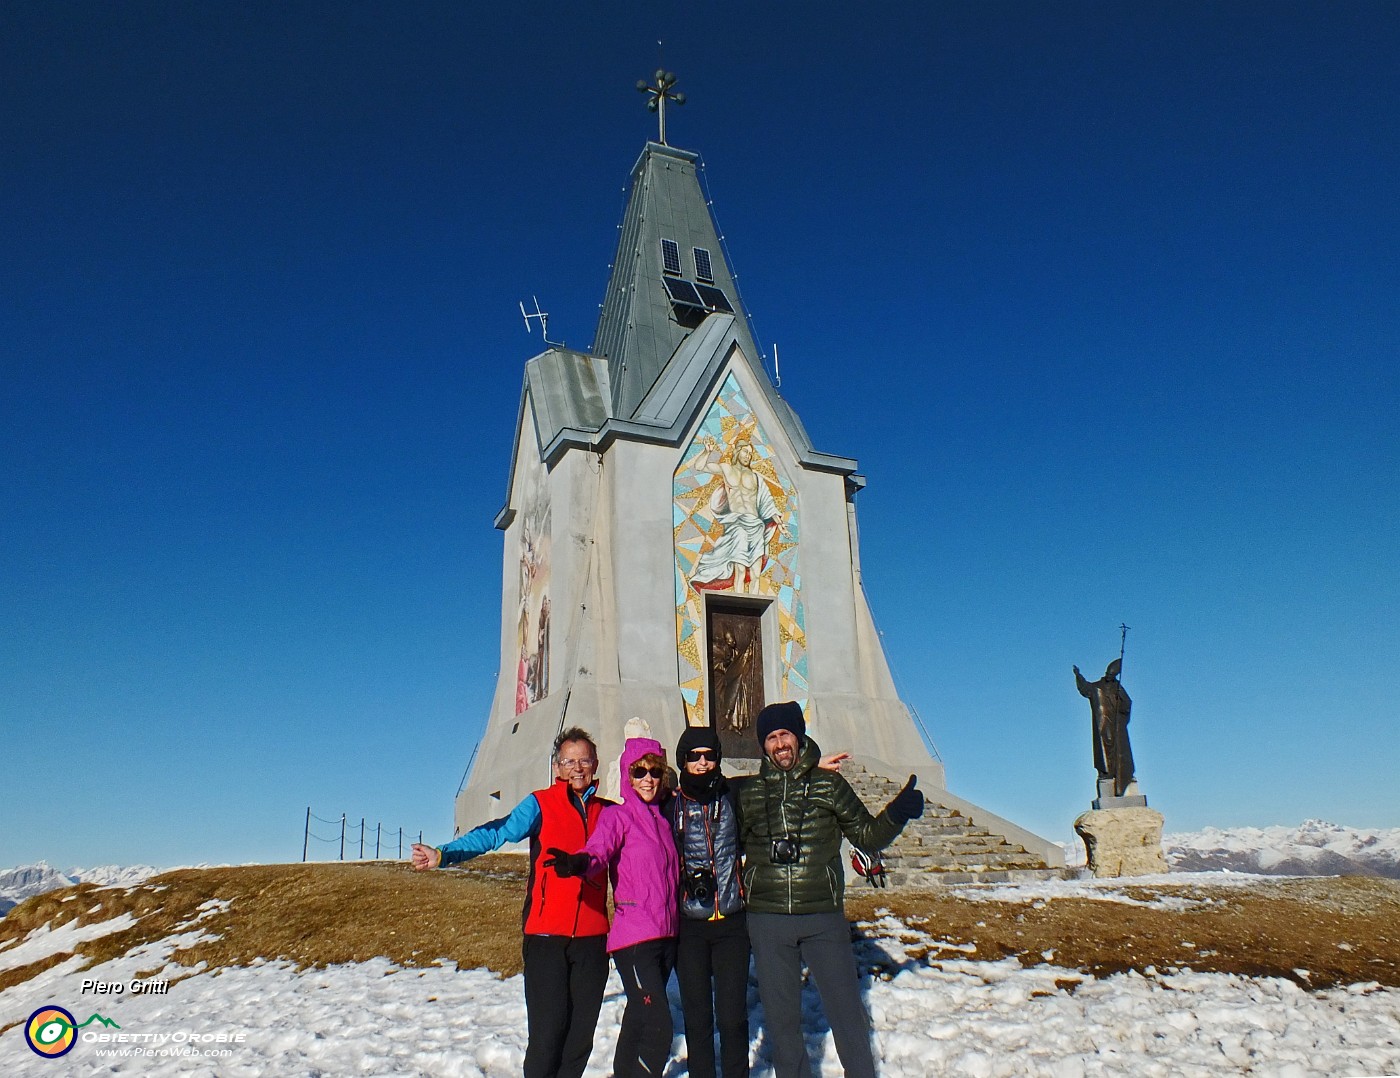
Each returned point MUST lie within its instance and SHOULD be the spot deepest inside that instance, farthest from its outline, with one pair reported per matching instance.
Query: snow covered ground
(947, 1015)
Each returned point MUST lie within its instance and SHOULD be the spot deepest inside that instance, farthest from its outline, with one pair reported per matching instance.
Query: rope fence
(383, 840)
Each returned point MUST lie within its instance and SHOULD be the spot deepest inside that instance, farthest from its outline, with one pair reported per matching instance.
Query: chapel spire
(670, 271)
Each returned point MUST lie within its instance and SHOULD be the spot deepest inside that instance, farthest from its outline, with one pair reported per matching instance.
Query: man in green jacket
(792, 819)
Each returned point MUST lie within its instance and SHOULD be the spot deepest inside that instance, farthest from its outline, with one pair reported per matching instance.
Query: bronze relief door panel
(735, 636)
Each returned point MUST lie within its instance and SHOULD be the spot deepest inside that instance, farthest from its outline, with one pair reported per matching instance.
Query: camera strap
(796, 833)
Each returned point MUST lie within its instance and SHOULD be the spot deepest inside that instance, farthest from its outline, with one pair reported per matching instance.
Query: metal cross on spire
(658, 95)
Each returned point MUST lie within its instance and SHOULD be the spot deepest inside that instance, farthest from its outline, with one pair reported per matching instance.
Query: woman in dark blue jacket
(712, 955)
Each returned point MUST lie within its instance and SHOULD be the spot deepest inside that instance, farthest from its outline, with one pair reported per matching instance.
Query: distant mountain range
(17, 884)
(1315, 848)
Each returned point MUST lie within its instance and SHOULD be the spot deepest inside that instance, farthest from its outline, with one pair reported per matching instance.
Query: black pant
(644, 1041)
(712, 969)
(564, 981)
(782, 944)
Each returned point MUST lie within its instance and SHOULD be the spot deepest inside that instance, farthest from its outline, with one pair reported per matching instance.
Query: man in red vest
(566, 961)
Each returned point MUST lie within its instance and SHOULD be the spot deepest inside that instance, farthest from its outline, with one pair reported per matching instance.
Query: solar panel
(713, 298)
(670, 256)
(683, 292)
(703, 272)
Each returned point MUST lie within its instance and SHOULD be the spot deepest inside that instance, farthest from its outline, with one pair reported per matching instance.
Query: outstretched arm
(523, 821)
(597, 853)
(710, 461)
(862, 830)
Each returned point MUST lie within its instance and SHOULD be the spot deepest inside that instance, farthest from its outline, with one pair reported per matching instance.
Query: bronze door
(735, 636)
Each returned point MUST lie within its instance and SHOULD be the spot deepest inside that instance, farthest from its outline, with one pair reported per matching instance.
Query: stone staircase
(945, 847)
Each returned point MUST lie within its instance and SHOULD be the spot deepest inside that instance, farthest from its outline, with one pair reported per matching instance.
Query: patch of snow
(45, 941)
(1035, 893)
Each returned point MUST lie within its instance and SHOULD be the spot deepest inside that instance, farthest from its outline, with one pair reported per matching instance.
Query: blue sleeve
(523, 822)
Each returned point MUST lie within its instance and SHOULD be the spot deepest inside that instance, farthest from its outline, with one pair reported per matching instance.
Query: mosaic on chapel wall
(532, 626)
(736, 528)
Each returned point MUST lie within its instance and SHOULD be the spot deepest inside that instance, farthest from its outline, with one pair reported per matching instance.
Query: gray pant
(782, 944)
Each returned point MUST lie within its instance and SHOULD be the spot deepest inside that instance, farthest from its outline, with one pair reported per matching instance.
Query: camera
(784, 850)
(700, 885)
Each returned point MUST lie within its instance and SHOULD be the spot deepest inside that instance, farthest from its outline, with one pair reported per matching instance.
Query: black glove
(908, 804)
(570, 864)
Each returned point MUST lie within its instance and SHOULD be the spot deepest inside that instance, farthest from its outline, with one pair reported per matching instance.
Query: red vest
(570, 906)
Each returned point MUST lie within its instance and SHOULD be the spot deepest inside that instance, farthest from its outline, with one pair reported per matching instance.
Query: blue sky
(1103, 296)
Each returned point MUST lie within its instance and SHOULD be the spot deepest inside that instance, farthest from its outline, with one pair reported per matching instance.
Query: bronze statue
(1110, 705)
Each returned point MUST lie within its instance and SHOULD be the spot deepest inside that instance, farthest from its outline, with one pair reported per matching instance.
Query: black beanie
(698, 737)
(784, 716)
(704, 787)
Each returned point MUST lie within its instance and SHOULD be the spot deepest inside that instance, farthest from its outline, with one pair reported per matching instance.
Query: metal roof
(568, 391)
(638, 329)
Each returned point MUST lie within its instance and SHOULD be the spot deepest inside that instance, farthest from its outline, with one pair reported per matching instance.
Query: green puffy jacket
(816, 808)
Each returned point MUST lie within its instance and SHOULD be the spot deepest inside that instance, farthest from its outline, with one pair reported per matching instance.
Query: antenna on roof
(543, 317)
(777, 378)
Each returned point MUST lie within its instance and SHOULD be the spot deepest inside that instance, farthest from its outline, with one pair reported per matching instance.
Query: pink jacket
(633, 840)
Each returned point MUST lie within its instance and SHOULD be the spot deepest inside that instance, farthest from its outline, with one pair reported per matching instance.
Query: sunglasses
(640, 772)
(696, 755)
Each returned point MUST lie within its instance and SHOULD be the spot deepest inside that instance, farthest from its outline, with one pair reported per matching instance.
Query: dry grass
(1340, 930)
(310, 915)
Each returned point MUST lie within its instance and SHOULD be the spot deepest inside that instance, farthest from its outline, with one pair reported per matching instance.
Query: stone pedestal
(1122, 841)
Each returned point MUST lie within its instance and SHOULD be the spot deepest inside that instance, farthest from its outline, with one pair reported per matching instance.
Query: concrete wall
(513, 756)
(613, 618)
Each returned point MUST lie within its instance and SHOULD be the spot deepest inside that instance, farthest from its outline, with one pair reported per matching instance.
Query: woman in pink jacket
(633, 841)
